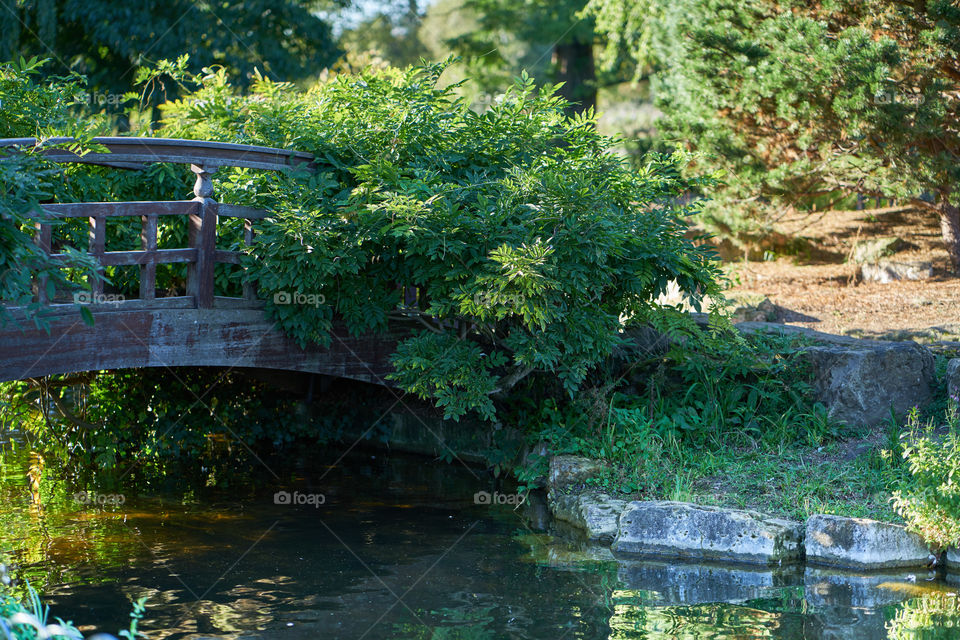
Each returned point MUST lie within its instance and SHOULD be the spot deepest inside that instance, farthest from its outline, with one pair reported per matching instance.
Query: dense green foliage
(930, 500)
(530, 244)
(656, 409)
(803, 104)
(30, 108)
(108, 41)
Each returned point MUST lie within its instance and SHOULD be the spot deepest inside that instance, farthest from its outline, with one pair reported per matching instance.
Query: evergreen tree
(805, 104)
(108, 40)
(558, 38)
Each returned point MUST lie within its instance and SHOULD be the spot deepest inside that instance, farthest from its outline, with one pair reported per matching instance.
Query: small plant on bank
(30, 620)
(929, 499)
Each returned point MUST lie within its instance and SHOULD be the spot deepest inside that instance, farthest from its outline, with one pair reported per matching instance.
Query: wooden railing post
(203, 238)
(148, 270)
(98, 246)
(44, 240)
(249, 288)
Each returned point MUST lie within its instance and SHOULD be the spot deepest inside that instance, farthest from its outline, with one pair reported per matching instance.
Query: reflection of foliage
(150, 421)
(934, 616)
(34, 516)
(634, 617)
(451, 624)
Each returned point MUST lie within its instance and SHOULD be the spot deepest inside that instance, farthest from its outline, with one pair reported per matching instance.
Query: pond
(365, 544)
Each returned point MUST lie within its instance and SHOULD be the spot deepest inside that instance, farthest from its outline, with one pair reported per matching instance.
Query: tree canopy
(804, 104)
(108, 41)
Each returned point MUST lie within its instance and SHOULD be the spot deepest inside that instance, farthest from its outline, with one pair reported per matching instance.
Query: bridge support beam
(184, 337)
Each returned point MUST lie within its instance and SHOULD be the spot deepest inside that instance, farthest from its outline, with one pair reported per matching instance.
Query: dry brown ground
(824, 292)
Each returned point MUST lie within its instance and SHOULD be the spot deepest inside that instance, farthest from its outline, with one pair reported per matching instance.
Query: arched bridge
(197, 328)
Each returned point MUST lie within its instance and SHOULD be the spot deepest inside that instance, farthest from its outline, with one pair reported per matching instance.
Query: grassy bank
(850, 477)
(782, 456)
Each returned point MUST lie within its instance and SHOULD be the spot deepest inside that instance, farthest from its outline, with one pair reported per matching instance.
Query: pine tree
(805, 103)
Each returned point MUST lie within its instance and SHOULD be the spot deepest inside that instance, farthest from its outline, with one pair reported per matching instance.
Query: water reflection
(400, 550)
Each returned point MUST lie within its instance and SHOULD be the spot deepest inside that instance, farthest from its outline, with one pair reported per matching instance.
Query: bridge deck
(183, 337)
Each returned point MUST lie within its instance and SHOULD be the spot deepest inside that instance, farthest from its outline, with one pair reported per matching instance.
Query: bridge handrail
(202, 212)
(133, 152)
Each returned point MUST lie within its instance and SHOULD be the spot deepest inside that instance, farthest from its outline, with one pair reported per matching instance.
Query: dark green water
(399, 549)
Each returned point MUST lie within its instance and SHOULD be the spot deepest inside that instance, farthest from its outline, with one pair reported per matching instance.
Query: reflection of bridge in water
(198, 328)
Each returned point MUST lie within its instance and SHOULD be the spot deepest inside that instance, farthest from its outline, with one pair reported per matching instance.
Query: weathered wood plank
(124, 152)
(58, 310)
(228, 257)
(225, 302)
(44, 240)
(160, 256)
(114, 209)
(148, 243)
(240, 211)
(98, 244)
(203, 238)
(184, 337)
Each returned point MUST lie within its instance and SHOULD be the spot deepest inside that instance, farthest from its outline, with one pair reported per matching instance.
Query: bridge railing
(202, 212)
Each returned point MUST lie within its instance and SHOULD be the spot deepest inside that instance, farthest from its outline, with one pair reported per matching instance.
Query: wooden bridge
(198, 328)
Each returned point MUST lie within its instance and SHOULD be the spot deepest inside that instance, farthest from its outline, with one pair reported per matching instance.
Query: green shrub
(929, 499)
(654, 413)
(32, 109)
(529, 243)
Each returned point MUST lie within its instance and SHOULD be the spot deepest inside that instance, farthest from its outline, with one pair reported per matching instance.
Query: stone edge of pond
(662, 529)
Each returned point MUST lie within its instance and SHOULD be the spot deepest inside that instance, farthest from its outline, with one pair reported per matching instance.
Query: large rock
(886, 271)
(871, 251)
(953, 379)
(746, 307)
(952, 558)
(683, 530)
(597, 514)
(691, 584)
(567, 470)
(858, 543)
(860, 382)
(831, 588)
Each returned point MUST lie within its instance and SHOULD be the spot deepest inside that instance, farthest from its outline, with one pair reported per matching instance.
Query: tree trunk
(950, 228)
(576, 69)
